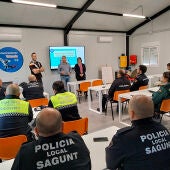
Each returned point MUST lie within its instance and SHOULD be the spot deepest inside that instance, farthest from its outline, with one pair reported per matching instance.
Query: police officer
(143, 146)
(65, 102)
(36, 67)
(33, 89)
(53, 150)
(121, 83)
(162, 93)
(2, 91)
(15, 114)
(141, 79)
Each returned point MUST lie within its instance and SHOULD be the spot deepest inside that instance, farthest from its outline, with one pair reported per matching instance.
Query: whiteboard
(107, 75)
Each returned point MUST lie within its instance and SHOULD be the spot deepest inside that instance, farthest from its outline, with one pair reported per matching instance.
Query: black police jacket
(33, 90)
(61, 151)
(121, 83)
(143, 146)
(140, 80)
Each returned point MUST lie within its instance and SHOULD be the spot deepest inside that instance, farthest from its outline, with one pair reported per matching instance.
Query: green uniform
(161, 94)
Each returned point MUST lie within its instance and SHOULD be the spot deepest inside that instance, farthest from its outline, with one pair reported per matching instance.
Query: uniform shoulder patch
(124, 130)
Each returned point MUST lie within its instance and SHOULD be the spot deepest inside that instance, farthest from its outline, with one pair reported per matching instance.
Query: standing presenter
(65, 71)
(80, 70)
(36, 67)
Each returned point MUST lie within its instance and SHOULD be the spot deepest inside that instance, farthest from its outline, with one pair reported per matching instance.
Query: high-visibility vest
(16, 106)
(63, 99)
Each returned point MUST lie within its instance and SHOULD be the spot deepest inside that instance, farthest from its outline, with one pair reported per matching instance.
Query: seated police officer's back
(65, 102)
(33, 89)
(15, 114)
(53, 150)
(143, 146)
(2, 91)
(141, 79)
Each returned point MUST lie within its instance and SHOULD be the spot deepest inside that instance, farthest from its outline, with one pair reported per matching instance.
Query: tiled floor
(97, 122)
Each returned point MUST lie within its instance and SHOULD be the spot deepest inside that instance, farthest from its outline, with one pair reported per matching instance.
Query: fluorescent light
(135, 16)
(34, 3)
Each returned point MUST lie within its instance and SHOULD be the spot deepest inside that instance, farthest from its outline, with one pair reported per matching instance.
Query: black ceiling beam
(74, 19)
(149, 19)
(78, 14)
(94, 30)
(90, 11)
(31, 26)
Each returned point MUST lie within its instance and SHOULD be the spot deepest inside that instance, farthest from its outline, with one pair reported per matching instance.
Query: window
(150, 54)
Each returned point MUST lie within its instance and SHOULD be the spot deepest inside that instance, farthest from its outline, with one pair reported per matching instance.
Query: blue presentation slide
(71, 53)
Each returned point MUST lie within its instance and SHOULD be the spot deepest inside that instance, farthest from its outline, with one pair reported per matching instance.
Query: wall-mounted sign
(11, 60)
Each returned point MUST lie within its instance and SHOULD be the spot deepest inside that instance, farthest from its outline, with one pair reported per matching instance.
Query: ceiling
(27, 15)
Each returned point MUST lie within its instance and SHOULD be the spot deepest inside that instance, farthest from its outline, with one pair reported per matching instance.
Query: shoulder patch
(124, 130)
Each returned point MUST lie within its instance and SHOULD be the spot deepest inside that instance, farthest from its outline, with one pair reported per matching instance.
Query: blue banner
(11, 60)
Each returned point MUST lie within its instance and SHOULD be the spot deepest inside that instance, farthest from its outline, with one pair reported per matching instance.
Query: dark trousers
(105, 97)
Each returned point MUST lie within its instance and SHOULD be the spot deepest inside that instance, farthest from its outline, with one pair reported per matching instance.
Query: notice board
(107, 74)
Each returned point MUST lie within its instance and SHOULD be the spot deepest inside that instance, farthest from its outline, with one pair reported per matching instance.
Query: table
(150, 77)
(74, 84)
(97, 149)
(6, 165)
(98, 89)
(129, 96)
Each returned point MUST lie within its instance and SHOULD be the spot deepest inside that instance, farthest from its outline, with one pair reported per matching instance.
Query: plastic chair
(9, 146)
(143, 87)
(38, 102)
(83, 89)
(81, 126)
(97, 82)
(165, 107)
(115, 100)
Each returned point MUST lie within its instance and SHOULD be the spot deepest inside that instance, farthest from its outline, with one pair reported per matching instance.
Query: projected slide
(71, 53)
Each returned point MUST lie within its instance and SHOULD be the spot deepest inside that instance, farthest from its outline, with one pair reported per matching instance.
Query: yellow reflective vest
(63, 99)
(16, 106)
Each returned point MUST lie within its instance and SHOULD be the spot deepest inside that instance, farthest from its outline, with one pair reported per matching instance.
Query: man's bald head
(141, 106)
(31, 78)
(13, 89)
(48, 122)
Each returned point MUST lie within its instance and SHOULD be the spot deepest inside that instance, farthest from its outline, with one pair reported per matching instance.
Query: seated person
(121, 83)
(137, 147)
(168, 66)
(141, 79)
(33, 89)
(162, 93)
(65, 102)
(53, 149)
(15, 114)
(2, 91)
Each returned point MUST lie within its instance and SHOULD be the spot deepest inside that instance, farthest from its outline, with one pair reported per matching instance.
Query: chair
(38, 102)
(83, 89)
(9, 146)
(81, 126)
(143, 87)
(165, 107)
(115, 99)
(96, 83)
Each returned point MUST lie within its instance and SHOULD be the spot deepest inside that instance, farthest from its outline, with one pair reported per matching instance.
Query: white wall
(38, 40)
(99, 54)
(156, 31)
(34, 40)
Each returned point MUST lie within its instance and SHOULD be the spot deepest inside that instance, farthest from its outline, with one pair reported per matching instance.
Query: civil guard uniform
(143, 146)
